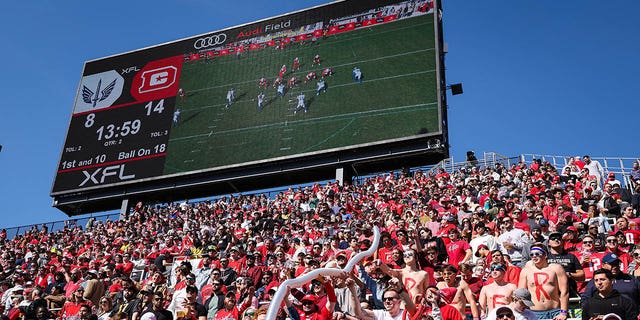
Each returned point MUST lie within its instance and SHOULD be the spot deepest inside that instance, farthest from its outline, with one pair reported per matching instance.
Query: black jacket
(614, 303)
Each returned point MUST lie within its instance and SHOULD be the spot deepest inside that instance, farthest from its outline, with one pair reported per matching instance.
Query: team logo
(210, 41)
(99, 90)
(158, 79)
(89, 96)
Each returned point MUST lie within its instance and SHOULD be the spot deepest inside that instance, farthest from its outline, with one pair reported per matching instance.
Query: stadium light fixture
(455, 88)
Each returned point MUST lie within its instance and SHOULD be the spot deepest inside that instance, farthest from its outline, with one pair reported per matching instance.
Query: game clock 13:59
(115, 145)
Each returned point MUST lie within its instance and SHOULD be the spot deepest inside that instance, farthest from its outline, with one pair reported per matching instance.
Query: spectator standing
(623, 283)
(594, 167)
(548, 282)
(513, 242)
(496, 293)
(567, 260)
(519, 305)
(414, 279)
(71, 308)
(392, 298)
(607, 300)
(94, 288)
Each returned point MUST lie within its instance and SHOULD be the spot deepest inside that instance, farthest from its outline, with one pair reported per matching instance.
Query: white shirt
(384, 315)
(518, 238)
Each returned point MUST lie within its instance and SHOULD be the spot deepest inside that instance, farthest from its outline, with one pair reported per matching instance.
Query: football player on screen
(230, 98)
(301, 104)
(176, 117)
(181, 94)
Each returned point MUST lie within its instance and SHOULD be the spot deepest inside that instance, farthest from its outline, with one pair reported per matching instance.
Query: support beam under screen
(124, 209)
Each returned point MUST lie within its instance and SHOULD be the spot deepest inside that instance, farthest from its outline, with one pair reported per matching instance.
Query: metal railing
(618, 165)
(490, 159)
(60, 224)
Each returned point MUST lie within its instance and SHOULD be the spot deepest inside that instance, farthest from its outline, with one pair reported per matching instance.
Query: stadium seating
(280, 224)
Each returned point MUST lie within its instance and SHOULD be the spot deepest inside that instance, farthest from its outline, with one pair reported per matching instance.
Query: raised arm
(357, 308)
(395, 273)
(471, 300)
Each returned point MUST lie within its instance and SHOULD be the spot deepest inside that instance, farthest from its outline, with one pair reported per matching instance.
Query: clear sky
(549, 77)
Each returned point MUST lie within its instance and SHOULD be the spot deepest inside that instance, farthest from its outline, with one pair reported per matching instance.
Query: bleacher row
(297, 229)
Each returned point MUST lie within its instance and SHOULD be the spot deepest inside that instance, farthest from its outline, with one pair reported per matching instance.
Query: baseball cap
(309, 297)
(555, 233)
(482, 246)
(504, 310)
(543, 222)
(524, 295)
(610, 258)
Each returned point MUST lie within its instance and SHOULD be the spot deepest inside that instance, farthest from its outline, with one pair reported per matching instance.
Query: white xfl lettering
(99, 176)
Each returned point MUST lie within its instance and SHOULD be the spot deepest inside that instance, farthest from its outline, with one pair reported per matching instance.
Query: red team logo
(157, 80)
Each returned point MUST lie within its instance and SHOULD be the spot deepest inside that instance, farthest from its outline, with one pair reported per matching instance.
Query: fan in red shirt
(385, 254)
(310, 308)
(458, 250)
(590, 260)
(435, 299)
(631, 236)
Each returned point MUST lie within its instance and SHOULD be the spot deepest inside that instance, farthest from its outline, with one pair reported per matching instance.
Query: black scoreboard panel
(131, 125)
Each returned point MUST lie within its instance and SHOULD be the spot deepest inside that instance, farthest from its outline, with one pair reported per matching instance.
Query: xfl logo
(158, 79)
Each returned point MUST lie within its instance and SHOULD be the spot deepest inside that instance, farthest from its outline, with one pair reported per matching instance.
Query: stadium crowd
(499, 242)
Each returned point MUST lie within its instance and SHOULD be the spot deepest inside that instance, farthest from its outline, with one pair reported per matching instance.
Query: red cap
(572, 228)
(310, 297)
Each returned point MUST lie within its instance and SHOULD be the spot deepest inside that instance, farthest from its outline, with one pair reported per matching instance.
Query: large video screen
(342, 76)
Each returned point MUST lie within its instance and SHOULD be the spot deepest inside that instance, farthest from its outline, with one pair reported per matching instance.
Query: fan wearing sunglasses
(497, 292)
(392, 298)
(548, 284)
(412, 276)
(558, 254)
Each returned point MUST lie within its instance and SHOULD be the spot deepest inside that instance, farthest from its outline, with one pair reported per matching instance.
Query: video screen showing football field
(396, 98)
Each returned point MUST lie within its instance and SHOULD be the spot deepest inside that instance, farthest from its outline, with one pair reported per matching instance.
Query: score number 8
(90, 120)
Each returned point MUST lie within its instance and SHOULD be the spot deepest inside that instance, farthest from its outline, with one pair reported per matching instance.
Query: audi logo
(210, 41)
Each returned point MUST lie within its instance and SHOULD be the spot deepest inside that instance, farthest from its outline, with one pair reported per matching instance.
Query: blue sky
(550, 77)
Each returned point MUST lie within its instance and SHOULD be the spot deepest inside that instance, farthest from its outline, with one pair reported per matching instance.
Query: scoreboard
(190, 107)
(119, 135)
